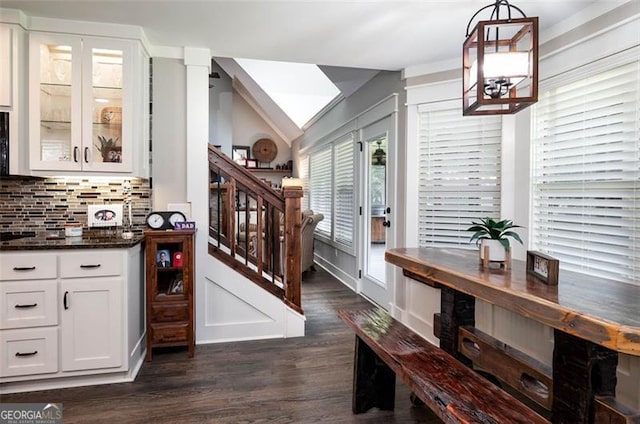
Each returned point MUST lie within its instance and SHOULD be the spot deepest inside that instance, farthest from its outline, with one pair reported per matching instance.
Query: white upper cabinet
(81, 104)
(6, 65)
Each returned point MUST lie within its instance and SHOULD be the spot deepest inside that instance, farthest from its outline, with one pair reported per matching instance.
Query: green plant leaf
(513, 234)
(505, 242)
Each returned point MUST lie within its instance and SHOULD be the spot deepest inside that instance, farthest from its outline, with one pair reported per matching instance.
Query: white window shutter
(303, 174)
(586, 173)
(459, 176)
(320, 187)
(344, 201)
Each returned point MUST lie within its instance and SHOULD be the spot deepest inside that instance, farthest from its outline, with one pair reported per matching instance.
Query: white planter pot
(497, 252)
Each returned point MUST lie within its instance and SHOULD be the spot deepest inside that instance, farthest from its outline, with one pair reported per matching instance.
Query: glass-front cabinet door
(80, 104)
(106, 112)
(55, 102)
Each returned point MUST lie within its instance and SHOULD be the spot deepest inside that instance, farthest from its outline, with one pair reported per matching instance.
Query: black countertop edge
(45, 243)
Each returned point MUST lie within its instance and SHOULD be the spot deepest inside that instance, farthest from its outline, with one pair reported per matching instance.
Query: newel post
(293, 245)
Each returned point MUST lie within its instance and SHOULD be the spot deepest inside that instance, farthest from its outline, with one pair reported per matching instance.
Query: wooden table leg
(456, 309)
(374, 383)
(581, 370)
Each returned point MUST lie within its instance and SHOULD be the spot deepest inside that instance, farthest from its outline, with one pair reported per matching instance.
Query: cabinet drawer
(28, 304)
(90, 264)
(27, 266)
(169, 333)
(169, 312)
(29, 351)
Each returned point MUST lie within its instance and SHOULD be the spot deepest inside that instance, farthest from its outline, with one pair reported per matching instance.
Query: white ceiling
(374, 34)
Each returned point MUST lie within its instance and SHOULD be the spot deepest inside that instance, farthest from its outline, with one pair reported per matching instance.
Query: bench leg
(581, 370)
(374, 383)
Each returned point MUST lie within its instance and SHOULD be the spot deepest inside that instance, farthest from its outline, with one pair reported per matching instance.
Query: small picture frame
(240, 154)
(177, 286)
(543, 267)
(163, 259)
(251, 163)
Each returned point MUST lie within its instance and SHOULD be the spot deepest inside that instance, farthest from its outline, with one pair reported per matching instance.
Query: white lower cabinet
(91, 324)
(76, 320)
(29, 351)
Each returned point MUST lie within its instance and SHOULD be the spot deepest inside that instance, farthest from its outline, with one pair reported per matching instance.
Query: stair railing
(255, 229)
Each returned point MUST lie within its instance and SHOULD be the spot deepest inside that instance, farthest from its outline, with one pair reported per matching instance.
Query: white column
(198, 63)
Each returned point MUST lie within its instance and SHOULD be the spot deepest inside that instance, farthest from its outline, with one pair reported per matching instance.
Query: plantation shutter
(586, 172)
(459, 173)
(303, 174)
(344, 192)
(320, 173)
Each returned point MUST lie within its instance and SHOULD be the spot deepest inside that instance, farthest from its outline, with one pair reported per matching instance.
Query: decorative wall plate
(264, 150)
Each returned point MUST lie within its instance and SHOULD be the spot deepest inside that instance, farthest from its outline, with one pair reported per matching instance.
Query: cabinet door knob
(75, 154)
(86, 155)
(64, 300)
(90, 266)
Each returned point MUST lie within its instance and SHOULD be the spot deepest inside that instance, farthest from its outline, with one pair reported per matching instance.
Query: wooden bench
(385, 348)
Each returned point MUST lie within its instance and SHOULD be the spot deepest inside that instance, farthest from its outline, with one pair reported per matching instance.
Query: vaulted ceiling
(373, 34)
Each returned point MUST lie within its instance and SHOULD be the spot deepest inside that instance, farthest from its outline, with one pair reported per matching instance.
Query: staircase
(255, 231)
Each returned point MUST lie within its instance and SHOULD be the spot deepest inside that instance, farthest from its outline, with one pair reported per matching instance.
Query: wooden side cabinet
(169, 284)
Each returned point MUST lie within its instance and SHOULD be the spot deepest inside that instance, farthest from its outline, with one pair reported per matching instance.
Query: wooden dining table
(594, 319)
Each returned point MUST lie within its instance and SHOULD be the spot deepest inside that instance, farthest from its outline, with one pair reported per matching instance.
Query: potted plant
(108, 149)
(495, 234)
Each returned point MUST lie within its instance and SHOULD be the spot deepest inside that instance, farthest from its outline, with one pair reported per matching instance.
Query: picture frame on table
(239, 154)
(251, 163)
(543, 268)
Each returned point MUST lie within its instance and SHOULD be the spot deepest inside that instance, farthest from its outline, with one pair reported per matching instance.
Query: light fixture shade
(500, 67)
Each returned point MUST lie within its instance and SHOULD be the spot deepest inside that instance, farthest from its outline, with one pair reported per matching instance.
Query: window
(331, 190)
(344, 192)
(459, 176)
(586, 171)
(303, 173)
(320, 187)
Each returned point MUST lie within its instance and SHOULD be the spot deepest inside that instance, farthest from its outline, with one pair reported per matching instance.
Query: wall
(221, 110)
(597, 39)
(169, 149)
(339, 120)
(249, 127)
(46, 204)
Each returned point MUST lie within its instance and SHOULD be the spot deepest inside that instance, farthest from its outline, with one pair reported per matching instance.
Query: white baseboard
(339, 274)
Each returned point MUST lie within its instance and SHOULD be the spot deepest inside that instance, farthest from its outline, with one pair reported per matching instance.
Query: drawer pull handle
(19, 306)
(24, 268)
(64, 300)
(20, 354)
(90, 266)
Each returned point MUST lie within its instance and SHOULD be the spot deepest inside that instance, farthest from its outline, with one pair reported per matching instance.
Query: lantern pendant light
(500, 62)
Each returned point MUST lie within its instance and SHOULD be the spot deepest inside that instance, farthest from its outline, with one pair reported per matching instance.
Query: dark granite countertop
(54, 241)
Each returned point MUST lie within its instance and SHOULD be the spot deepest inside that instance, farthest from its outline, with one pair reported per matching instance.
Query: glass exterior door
(378, 143)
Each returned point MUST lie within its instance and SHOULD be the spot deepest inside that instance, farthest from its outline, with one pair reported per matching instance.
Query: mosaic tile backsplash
(34, 204)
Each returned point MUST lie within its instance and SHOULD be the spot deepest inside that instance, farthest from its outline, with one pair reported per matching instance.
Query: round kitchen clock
(164, 220)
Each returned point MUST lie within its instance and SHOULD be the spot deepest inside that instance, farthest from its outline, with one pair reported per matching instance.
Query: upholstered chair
(309, 222)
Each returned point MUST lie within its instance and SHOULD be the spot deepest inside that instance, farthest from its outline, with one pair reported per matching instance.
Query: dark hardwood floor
(299, 380)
